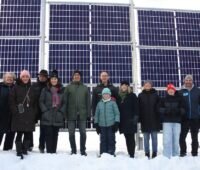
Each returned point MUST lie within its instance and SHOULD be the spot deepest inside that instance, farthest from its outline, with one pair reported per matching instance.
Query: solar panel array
(166, 39)
(19, 35)
(92, 25)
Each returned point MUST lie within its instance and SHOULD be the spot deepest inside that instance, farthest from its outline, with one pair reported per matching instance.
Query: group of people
(23, 104)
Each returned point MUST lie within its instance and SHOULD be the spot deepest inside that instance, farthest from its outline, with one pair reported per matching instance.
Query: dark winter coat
(172, 108)
(192, 101)
(38, 86)
(97, 96)
(148, 110)
(77, 101)
(52, 116)
(128, 114)
(23, 121)
(5, 114)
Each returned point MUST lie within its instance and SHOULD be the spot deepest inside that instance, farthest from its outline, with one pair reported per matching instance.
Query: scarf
(123, 95)
(55, 97)
(106, 100)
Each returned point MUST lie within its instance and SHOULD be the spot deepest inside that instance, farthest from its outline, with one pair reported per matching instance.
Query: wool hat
(43, 73)
(189, 76)
(23, 73)
(54, 73)
(77, 72)
(125, 82)
(171, 86)
(106, 91)
(148, 81)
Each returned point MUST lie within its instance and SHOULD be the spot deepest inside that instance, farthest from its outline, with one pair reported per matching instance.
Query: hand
(98, 129)
(115, 127)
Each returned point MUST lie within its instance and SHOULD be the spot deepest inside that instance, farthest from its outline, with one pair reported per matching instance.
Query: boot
(154, 154)
(147, 154)
(25, 148)
(19, 149)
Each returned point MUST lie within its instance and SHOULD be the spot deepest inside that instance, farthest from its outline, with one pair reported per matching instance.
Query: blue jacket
(107, 113)
(192, 101)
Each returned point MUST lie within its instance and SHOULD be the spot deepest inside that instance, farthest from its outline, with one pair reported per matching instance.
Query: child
(107, 118)
(172, 110)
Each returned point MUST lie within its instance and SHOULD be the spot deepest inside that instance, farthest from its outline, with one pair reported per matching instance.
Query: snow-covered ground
(64, 161)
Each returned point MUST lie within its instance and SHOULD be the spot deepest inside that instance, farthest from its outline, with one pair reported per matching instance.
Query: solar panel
(188, 28)
(69, 22)
(110, 23)
(20, 17)
(156, 28)
(69, 57)
(16, 55)
(116, 59)
(190, 64)
(160, 66)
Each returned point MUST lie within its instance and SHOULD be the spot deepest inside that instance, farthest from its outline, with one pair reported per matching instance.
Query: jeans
(107, 140)
(82, 129)
(171, 135)
(153, 139)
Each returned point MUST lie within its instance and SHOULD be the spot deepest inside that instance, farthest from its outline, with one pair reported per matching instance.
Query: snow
(64, 161)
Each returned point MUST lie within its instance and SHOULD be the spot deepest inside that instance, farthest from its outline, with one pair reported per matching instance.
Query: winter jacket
(148, 110)
(172, 108)
(77, 101)
(52, 116)
(192, 100)
(38, 86)
(107, 113)
(97, 96)
(5, 114)
(128, 114)
(25, 121)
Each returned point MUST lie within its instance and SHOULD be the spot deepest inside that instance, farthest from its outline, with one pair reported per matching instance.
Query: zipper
(105, 114)
(189, 104)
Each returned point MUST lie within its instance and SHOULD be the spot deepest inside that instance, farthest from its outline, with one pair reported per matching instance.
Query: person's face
(147, 86)
(54, 81)
(76, 77)
(188, 83)
(106, 96)
(25, 79)
(42, 78)
(8, 79)
(171, 92)
(124, 88)
(104, 77)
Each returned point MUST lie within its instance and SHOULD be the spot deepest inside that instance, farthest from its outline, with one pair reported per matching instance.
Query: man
(97, 91)
(38, 86)
(190, 122)
(77, 99)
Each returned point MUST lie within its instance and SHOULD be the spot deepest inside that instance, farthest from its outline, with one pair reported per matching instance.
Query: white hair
(10, 74)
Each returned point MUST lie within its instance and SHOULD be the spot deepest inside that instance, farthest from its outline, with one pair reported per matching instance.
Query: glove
(98, 129)
(115, 127)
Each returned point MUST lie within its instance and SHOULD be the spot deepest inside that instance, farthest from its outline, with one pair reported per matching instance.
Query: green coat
(107, 113)
(77, 101)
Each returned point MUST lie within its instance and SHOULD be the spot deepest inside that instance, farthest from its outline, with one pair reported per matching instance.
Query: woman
(23, 107)
(172, 110)
(52, 108)
(5, 114)
(149, 117)
(128, 116)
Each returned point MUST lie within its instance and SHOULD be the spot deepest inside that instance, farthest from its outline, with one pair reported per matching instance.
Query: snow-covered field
(64, 161)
